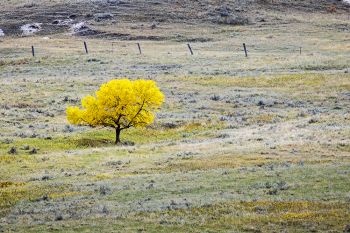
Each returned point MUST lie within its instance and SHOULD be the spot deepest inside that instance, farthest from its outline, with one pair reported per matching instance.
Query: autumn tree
(119, 104)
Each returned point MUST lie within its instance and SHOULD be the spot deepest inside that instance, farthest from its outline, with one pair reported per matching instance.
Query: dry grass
(257, 144)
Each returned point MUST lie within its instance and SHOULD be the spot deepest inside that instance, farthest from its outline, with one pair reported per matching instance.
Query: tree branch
(138, 112)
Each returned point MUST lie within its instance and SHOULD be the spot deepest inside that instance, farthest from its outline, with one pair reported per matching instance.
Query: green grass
(293, 81)
(299, 208)
(98, 137)
(235, 183)
(262, 215)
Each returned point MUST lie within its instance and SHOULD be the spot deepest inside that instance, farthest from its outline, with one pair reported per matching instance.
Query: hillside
(59, 16)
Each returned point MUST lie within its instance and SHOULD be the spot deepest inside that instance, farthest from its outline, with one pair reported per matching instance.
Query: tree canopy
(119, 104)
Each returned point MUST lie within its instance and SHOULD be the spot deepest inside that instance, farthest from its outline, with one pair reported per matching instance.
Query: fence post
(189, 47)
(33, 51)
(86, 48)
(245, 50)
(300, 50)
(139, 46)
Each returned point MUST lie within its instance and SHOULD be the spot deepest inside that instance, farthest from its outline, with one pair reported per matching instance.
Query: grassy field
(257, 144)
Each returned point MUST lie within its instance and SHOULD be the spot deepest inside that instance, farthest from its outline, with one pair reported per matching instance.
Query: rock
(79, 27)
(2, 33)
(82, 29)
(29, 29)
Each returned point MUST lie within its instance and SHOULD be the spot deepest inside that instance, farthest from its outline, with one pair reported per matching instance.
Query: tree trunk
(117, 135)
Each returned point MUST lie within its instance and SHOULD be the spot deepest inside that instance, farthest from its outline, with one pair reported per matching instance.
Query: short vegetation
(217, 142)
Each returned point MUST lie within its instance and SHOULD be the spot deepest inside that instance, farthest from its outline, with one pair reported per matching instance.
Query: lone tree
(119, 104)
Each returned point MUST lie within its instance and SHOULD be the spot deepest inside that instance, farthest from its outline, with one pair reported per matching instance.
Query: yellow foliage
(119, 104)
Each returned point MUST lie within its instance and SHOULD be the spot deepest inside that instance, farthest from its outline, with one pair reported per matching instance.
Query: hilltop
(106, 18)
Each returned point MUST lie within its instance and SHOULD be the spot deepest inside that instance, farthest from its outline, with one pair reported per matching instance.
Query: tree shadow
(89, 142)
